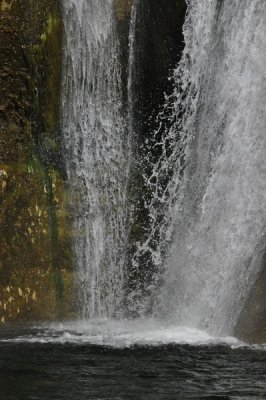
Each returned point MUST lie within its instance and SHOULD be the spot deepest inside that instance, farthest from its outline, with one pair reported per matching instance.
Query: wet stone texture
(123, 8)
(251, 325)
(36, 277)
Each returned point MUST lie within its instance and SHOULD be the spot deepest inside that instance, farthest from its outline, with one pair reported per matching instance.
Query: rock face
(35, 260)
(251, 325)
(123, 9)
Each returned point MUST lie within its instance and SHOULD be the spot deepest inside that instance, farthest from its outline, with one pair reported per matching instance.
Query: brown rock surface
(251, 325)
(36, 277)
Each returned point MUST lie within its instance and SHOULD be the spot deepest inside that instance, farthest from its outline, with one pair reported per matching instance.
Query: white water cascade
(215, 202)
(131, 65)
(208, 208)
(97, 152)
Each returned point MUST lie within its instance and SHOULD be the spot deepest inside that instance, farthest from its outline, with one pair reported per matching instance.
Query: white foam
(122, 334)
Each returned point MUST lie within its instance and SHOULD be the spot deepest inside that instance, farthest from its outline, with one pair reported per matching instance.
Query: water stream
(97, 152)
(208, 203)
(215, 202)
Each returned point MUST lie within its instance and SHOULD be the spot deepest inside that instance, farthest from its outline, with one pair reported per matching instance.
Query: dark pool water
(46, 371)
(82, 371)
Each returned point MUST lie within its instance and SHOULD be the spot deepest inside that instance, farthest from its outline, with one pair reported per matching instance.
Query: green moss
(48, 51)
(36, 268)
(46, 77)
(33, 254)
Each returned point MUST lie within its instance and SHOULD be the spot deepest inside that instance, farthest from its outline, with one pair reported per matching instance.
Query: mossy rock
(32, 259)
(123, 8)
(36, 266)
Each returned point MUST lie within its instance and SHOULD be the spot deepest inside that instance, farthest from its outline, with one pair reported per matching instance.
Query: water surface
(112, 360)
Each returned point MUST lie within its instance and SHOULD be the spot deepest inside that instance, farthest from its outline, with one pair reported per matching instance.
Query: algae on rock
(36, 275)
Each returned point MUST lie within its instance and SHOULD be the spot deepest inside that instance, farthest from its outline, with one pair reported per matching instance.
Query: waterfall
(214, 203)
(97, 152)
(131, 65)
(206, 189)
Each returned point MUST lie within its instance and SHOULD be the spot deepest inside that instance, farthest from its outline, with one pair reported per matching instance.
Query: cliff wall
(35, 260)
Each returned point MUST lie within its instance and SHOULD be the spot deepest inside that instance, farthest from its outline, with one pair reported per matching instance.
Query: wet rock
(36, 274)
(251, 326)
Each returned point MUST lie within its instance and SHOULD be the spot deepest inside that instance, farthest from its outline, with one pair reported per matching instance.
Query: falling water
(214, 205)
(97, 148)
(131, 65)
(208, 209)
